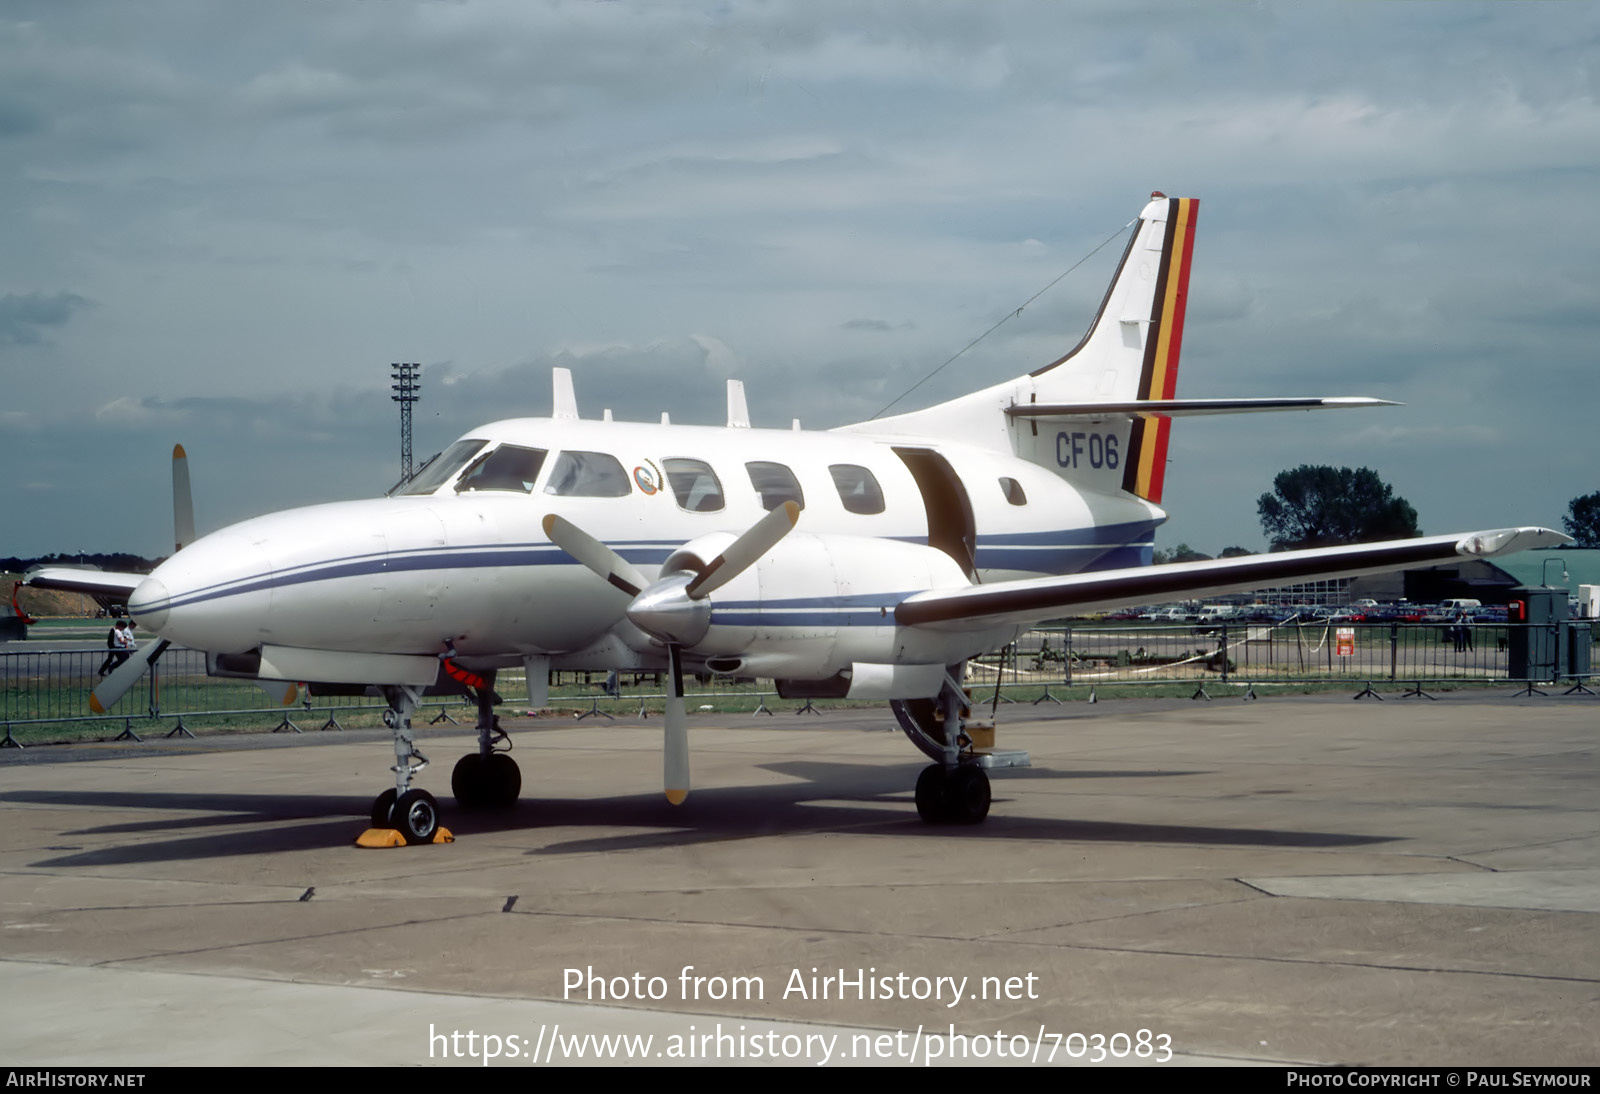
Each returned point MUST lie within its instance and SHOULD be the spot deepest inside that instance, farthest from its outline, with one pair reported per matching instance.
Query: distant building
(1490, 582)
(1332, 592)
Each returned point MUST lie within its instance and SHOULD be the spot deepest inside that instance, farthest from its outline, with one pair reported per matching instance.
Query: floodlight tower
(407, 387)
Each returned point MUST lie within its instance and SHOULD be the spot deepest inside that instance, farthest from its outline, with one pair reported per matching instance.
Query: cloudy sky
(222, 222)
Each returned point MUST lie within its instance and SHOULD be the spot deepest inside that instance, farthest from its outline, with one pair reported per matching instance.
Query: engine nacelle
(817, 607)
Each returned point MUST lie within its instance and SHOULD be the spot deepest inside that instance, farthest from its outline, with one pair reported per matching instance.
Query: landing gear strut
(955, 788)
(488, 778)
(953, 791)
(413, 813)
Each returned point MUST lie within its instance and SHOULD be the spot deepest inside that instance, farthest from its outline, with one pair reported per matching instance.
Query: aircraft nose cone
(149, 604)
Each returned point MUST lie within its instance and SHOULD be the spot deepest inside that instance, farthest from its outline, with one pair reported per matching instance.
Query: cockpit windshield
(509, 467)
(442, 469)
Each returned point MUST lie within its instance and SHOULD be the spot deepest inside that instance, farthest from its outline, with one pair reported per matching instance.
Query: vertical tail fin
(1131, 350)
(1147, 447)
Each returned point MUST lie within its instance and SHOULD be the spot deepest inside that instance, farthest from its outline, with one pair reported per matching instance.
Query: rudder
(1158, 379)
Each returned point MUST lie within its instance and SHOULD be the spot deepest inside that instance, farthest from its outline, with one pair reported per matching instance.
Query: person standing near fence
(120, 643)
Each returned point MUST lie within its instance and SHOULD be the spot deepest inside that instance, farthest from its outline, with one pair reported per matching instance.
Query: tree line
(118, 561)
(1322, 506)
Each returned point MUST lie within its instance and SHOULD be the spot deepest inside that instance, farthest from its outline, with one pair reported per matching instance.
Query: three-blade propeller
(674, 610)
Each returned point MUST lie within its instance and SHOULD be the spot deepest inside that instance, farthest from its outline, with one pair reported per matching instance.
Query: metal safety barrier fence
(51, 687)
(44, 694)
(47, 688)
(1363, 655)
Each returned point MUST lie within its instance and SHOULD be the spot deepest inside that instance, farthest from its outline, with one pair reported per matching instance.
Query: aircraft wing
(1048, 597)
(102, 583)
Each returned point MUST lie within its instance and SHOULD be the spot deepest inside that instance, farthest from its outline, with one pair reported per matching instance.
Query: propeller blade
(675, 747)
(745, 551)
(599, 558)
(182, 501)
(124, 676)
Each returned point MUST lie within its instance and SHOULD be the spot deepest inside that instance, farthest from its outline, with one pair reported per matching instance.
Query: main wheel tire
(966, 795)
(383, 808)
(486, 783)
(505, 781)
(471, 782)
(416, 815)
(932, 795)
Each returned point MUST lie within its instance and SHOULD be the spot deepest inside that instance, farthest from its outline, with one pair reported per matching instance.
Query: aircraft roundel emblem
(646, 478)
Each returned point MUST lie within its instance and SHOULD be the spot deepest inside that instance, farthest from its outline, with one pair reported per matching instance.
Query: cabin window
(441, 469)
(588, 475)
(858, 489)
(776, 484)
(1013, 491)
(509, 467)
(695, 485)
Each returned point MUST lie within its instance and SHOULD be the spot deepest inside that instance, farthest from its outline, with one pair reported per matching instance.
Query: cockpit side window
(509, 467)
(776, 484)
(588, 475)
(442, 469)
(695, 485)
(858, 488)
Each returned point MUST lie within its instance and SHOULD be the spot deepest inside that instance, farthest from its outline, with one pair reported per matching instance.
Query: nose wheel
(382, 806)
(414, 814)
(953, 795)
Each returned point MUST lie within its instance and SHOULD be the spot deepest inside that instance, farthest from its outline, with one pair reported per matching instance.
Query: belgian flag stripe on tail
(1159, 378)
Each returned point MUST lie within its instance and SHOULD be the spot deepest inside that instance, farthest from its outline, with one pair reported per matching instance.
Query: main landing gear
(488, 778)
(953, 795)
(954, 789)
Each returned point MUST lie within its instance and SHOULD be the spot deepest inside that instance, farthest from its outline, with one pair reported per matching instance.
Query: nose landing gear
(401, 812)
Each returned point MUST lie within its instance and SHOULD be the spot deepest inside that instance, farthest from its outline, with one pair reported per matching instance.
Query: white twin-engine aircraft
(870, 561)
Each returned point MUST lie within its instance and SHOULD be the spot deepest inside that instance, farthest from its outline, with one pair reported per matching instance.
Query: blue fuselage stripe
(1061, 552)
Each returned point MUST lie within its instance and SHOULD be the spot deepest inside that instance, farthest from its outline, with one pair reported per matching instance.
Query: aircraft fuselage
(469, 562)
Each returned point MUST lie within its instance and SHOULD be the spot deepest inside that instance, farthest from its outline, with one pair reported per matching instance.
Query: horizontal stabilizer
(1041, 598)
(70, 579)
(1151, 408)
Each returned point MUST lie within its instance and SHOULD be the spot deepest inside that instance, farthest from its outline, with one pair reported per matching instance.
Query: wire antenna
(1006, 318)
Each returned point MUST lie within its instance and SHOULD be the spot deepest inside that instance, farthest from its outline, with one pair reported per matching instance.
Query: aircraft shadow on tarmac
(820, 800)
